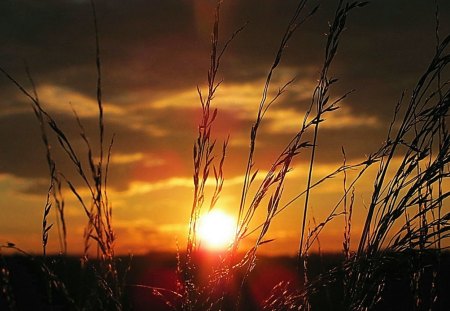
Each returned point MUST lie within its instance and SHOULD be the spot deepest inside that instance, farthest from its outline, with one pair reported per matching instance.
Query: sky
(154, 55)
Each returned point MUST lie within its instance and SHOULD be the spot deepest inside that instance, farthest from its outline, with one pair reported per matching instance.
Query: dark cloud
(161, 47)
(144, 44)
(22, 153)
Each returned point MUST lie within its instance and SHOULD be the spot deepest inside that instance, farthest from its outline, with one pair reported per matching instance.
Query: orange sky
(154, 55)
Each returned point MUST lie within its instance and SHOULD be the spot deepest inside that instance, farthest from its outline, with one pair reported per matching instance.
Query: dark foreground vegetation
(30, 288)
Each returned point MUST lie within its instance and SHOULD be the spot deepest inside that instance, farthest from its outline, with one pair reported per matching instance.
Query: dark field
(30, 289)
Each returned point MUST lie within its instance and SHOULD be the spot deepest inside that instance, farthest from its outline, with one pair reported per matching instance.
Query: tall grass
(405, 213)
(406, 216)
(414, 195)
(102, 275)
(273, 182)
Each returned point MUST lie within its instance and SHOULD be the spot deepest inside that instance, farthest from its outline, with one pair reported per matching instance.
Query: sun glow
(216, 230)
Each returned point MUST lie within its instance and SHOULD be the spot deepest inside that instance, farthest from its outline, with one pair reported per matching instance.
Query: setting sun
(217, 229)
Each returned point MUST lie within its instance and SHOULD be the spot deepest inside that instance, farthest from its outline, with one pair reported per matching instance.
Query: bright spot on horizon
(217, 229)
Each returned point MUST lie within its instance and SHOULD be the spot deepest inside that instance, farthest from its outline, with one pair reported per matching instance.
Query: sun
(216, 230)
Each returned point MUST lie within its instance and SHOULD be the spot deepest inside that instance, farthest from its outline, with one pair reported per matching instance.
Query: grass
(402, 240)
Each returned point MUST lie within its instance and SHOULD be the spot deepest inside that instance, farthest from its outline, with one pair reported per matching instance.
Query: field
(392, 237)
(158, 270)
